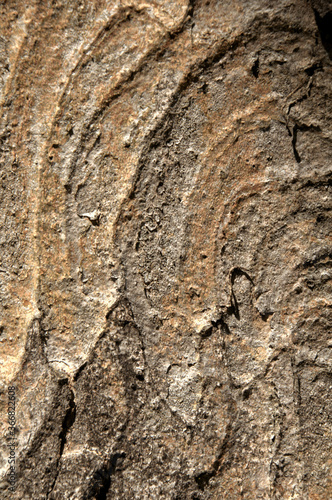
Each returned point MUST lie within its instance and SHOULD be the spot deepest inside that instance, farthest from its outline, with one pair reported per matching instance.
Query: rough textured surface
(165, 249)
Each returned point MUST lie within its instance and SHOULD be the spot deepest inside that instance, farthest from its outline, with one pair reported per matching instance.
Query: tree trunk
(165, 262)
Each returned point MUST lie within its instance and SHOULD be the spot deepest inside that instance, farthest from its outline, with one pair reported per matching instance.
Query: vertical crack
(294, 139)
(324, 27)
(67, 423)
(255, 68)
(297, 405)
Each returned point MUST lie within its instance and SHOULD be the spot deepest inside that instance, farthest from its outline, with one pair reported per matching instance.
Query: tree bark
(165, 263)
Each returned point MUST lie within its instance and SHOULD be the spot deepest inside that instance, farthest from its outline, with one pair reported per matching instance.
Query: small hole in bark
(247, 393)
(266, 316)
(203, 479)
(311, 70)
(255, 68)
(95, 222)
(310, 284)
(204, 88)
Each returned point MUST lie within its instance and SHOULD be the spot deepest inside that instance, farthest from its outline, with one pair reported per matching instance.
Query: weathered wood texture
(165, 251)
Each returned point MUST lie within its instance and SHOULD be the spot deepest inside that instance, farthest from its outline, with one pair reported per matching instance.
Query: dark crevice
(203, 479)
(310, 71)
(294, 139)
(217, 325)
(221, 324)
(207, 333)
(255, 68)
(324, 25)
(246, 393)
(302, 98)
(80, 370)
(238, 271)
(191, 8)
(67, 423)
(293, 133)
(288, 129)
(101, 481)
(266, 316)
(234, 307)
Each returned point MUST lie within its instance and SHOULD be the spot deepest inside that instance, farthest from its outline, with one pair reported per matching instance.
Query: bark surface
(165, 248)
